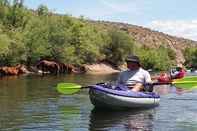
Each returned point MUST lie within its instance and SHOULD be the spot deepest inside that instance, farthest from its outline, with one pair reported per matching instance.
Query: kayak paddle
(180, 84)
(187, 78)
(189, 82)
(71, 88)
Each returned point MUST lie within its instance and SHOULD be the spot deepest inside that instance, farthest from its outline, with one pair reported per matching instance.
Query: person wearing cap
(135, 77)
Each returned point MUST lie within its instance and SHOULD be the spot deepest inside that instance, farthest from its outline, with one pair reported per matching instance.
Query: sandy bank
(100, 68)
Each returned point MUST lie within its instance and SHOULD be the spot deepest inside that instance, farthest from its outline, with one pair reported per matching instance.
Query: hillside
(153, 39)
(29, 36)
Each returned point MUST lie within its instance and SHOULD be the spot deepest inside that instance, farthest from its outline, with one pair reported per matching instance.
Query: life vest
(163, 77)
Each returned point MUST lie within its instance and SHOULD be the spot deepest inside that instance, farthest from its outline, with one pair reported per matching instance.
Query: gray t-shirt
(131, 77)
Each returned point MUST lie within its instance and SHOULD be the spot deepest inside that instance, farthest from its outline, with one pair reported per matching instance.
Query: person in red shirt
(177, 73)
(164, 77)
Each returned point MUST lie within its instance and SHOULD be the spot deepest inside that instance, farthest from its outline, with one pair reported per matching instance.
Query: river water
(31, 103)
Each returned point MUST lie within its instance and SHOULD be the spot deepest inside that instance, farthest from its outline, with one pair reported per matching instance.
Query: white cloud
(108, 9)
(124, 6)
(116, 6)
(180, 28)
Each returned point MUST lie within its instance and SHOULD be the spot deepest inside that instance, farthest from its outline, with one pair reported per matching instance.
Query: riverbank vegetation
(27, 36)
(191, 58)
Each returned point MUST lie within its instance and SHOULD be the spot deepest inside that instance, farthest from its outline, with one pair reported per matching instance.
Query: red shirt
(163, 77)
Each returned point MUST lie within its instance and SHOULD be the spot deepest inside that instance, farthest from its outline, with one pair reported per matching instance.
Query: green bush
(191, 57)
(156, 59)
(118, 47)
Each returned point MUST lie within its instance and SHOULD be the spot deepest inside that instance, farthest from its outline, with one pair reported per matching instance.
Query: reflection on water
(167, 89)
(134, 120)
(71, 116)
(32, 103)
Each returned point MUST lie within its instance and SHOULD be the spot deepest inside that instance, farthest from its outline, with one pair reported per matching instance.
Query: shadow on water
(122, 120)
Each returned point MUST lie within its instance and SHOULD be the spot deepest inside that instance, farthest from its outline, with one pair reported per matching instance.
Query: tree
(120, 45)
(17, 15)
(4, 48)
(190, 57)
(42, 10)
(16, 48)
(90, 42)
(18, 3)
(36, 40)
(4, 2)
(3, 10)
(156, 59)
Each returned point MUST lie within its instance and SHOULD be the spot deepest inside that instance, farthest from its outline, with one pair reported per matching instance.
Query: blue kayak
(107, 96)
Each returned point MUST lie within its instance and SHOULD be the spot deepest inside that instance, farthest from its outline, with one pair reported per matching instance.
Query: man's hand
(138, 87)
(149, 87)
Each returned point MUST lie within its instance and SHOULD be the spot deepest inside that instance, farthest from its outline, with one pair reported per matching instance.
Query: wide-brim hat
(133, 58)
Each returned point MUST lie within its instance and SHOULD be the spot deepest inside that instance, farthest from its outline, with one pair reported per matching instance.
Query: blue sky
(175, 17)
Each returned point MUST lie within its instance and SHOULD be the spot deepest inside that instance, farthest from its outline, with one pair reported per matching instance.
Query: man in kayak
(135, 77)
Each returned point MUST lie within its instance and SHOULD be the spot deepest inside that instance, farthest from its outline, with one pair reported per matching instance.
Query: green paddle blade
(185, 84)
(188, 78)
(68, 88)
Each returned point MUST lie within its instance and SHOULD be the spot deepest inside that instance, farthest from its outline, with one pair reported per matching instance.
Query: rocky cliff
(153, 39)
